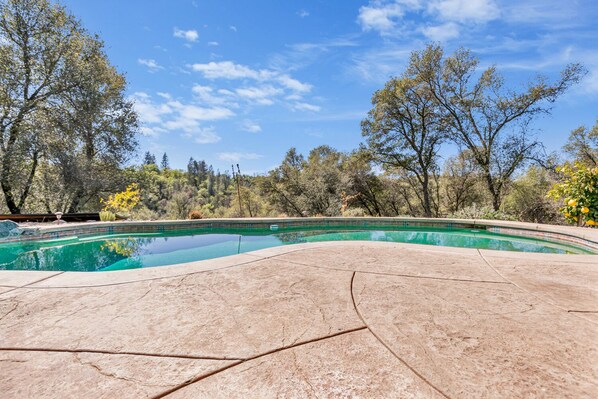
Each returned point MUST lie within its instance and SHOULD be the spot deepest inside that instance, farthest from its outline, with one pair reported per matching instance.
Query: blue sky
(243, 81)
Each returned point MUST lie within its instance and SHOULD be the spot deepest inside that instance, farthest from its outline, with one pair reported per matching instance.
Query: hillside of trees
(68, 133)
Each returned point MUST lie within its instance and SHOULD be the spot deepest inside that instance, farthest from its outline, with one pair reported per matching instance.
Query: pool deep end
(133, 245)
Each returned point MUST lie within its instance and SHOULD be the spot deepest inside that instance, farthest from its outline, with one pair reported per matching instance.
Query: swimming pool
(119, 251)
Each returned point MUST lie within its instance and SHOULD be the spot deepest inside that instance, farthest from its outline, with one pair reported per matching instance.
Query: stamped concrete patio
(352, 319)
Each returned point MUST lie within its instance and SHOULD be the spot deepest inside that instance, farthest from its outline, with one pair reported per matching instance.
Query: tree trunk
(494, 192)
(8, 197)
(74, 205)
(426, 192)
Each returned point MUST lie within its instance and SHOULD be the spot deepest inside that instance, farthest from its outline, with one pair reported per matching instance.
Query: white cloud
(152, 131)
(441, 33)
(213, 43)
(293, 97)
(225, 70)
(230, 70)
(251, 126)
(169, 114)
(256, 93)
(379, 16)
(272, 82)
(148, 111)
(293, 84)
(226, 92)
(206, 135)
(151, 65)
(233, 28)
(544, 12)
(389, 17)
(189, 35)
(465, 10)
(238, 156)
(306, 107)
(303, 13)
(205, 94)
(194, 112)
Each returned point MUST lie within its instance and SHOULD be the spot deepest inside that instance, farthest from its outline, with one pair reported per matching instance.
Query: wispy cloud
(260, 95)
(390, 17)
(549, 13)
(238, 156)
(301, 55)
(167, 114)
(303, 13)
(441, 33)
(188, 35)
(380, 16)
(152, 65)
(230, 70)
(226, 70)
(251, 126)
(377, 65)
(306, 107)
(203, 135)
(465, 10)
(258, 86)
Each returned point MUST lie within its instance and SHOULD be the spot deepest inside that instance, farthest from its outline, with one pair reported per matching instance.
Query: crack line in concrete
(105, 352)
(290, 251)
(531, 293)
(258, 356)
(399, 275)
(28, 284)
(388, 347)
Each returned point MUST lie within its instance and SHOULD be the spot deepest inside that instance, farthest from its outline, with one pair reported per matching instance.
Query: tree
(527, 200)
(150, 159)
(404, 130)
(582, 145)
(460, 182)
(483, 115)
(41, 50)
(165, 164)
(311, 187)
(284, 184)
(362, 185)
(579, 190)
(321, 182)
(93, 130)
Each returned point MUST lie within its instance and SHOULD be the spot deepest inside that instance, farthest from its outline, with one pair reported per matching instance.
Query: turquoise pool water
(130, 251)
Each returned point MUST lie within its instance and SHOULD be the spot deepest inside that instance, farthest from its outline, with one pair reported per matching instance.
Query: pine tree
(165, 164)
(149, 159)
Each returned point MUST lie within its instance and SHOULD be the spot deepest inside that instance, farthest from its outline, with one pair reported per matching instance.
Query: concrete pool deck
(338, 319)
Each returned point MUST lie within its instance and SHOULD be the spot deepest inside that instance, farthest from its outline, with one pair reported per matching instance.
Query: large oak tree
(404, 130)
(60, 101)
(485, 115)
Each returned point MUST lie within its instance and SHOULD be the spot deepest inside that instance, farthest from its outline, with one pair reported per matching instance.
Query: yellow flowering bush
(579, 189)
(124, 201)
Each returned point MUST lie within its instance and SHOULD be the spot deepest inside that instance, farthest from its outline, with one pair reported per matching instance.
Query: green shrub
(107, 216)
(353, 212)
(579, 191)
